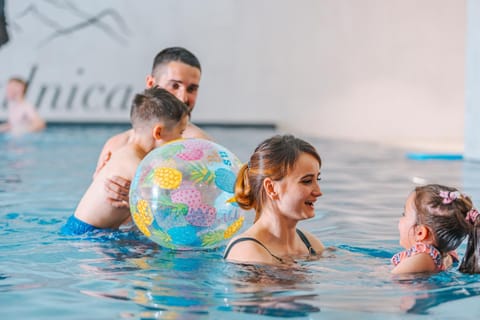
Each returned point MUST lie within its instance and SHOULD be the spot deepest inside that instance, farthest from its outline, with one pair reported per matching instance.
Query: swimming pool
(44, 275)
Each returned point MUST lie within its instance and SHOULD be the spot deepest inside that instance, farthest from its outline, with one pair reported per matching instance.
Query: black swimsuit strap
(249, 239)
(307, 243)
(300, 234)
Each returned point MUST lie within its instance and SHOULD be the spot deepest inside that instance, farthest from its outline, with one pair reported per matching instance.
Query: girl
(435, 221)
(281, 183)
(22, 116)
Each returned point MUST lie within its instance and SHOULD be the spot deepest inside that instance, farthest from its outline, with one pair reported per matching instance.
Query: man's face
(179, 79)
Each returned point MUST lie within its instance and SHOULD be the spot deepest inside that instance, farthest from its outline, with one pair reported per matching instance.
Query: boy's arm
(111, 145)
(105, 155)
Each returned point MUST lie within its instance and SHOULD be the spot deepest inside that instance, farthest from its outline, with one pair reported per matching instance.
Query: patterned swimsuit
(420, 248)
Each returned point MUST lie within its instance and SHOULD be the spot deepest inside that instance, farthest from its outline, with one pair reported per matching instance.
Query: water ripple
(124, 275)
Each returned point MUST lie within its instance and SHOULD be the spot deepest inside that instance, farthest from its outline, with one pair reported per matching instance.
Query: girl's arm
(36, 123)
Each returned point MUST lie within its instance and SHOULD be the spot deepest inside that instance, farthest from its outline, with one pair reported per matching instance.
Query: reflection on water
(430, 291)
(271, 291)
(123, 275)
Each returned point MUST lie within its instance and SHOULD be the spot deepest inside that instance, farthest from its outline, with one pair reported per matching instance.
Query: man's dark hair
(175, 54)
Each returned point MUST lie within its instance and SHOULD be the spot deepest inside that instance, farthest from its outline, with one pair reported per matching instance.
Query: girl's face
(406, 224)
(14, 90)
(297, 192)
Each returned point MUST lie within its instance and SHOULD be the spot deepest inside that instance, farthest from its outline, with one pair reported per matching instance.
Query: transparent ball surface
(182, 195)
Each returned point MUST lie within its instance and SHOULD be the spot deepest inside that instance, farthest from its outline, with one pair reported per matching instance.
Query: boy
(22, 116)
(157, 117)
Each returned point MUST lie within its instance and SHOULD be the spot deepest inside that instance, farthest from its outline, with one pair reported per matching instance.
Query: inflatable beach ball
(182, 195)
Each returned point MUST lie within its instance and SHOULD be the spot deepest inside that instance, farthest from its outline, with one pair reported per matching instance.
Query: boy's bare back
(94, 208)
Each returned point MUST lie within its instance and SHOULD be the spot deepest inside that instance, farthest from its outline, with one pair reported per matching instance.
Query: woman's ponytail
(243, 194)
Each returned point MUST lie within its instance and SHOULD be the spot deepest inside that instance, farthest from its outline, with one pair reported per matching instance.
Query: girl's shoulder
(420, 257)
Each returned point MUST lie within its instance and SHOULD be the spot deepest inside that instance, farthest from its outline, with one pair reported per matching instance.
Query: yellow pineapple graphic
(214, 237)
(143, 217)
(167, 178)
(233, 228)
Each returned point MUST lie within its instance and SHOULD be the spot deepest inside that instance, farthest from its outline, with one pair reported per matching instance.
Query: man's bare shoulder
(120, 139)
(193, 131)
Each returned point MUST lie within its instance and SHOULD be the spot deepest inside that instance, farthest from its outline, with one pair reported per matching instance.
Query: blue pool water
(44, 275)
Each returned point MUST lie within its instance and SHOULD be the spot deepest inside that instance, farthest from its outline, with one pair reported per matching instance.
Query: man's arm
(117, 189)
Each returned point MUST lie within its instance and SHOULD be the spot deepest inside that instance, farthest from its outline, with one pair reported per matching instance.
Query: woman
(281, 183)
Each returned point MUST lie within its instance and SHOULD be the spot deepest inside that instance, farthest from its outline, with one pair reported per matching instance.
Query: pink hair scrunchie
(472, 215)
(449, 196)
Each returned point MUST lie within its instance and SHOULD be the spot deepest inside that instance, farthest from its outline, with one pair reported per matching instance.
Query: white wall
(381, 70)
(472, 112)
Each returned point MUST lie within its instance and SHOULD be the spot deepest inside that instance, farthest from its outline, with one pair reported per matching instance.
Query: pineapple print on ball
(143, 217)
(167, 178)
(185, 189)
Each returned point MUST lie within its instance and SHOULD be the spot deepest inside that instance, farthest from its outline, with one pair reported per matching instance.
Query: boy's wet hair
(157, 104)
(175, 54)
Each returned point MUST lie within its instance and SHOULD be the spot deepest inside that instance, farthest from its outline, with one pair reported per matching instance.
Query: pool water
(121, 275)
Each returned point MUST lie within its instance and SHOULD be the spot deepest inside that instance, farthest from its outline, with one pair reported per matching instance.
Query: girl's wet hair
(445, 211)
(273, 158)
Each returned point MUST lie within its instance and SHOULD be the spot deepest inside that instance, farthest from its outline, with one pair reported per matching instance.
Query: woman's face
(298, 191)
(407, 222)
